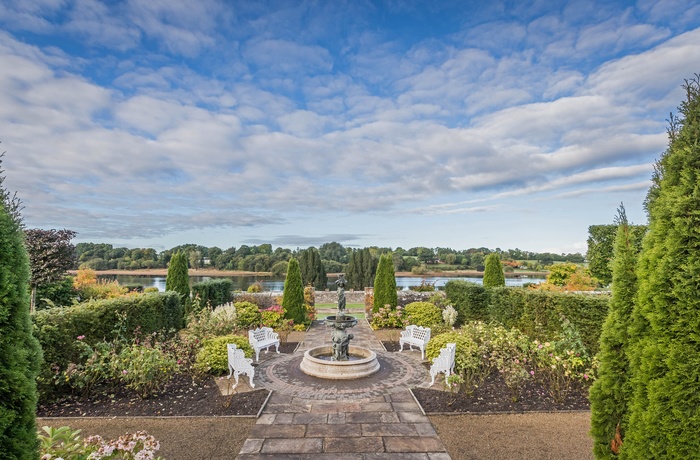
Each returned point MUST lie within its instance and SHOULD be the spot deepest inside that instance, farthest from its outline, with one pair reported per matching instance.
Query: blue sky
(153, 123)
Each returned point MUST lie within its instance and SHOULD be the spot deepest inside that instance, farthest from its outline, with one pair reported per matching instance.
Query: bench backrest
(446, 358)
(420, 333)
(259, 334)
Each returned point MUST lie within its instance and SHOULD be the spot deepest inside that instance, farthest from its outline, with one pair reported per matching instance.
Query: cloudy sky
(152, 123)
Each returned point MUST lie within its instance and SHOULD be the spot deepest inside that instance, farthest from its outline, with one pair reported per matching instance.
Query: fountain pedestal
(340, 361)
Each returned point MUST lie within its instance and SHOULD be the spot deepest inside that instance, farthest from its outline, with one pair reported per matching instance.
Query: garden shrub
(387, 317)
(469, 299)
(94, 365)
(538, 313)
(273, 316)
(293, 296)
(213, 293)
(64, 443)
(561, 362)
(449, 316)
(58, 294)
(423, 314)
(144, 369)
(255, 287)
(100, 320)
(468, 360)
(206, 323)
(213, 356)
(248, 314)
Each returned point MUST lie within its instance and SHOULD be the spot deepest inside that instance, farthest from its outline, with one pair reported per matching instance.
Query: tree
(293, 296)
(493, 272)
(664, 420)
(195, 258)
(20, 353)
(385, 284)
(609, 394)
(312, 270)
(178, 279)
(51, 254)
(601, 239)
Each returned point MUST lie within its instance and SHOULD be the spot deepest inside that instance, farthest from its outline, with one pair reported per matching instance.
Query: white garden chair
(239, 364)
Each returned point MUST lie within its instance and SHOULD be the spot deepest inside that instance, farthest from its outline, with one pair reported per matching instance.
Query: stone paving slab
(374, 418)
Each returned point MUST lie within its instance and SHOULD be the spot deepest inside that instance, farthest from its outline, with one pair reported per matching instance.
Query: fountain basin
(363, 362)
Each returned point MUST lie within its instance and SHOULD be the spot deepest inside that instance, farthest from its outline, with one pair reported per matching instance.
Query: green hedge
(471, 300)
(538, 313)
(213, 292)
(58, 328)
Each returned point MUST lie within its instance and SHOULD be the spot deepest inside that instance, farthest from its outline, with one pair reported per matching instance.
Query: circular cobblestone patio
(397, 373)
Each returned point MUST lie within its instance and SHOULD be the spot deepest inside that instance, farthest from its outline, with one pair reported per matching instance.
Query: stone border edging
(269, 395)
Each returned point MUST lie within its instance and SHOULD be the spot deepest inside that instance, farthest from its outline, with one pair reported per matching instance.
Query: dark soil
(181, 396)
(493, 396)
(391, 346)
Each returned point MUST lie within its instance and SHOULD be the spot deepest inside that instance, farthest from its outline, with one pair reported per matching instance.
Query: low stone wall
(267, 299)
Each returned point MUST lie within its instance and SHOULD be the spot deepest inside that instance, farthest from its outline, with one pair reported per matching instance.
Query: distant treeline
(334, 256)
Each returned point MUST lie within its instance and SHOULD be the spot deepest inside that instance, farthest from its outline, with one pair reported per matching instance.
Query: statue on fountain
(341, 283)
(341, 343)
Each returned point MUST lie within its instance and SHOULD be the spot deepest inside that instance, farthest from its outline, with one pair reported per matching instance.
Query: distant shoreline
(229, 273)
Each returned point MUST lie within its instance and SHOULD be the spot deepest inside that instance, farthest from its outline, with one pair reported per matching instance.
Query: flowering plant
(386, 317)
(273, 316)
(64, 443)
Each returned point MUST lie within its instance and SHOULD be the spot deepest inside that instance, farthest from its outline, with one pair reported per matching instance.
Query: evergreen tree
(493, 272)
(178, 279)
(664, 420)
(20, 353)
(369, 268)
(385, 284)
(609, 395)
(293, 296)
(312, 270)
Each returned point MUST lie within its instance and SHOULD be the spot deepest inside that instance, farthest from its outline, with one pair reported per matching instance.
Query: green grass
(350, 306)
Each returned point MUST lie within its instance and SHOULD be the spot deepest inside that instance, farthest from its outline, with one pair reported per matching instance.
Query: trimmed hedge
(100, 320)
(535, 313)
(471, 300)
(213, 292)
(538, 313)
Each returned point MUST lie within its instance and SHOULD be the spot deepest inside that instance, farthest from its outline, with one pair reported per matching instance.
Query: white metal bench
(444, 362)
(239, 364)
(263, 337)
(415, 336)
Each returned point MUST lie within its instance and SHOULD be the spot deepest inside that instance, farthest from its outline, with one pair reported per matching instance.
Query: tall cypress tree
(293, 296)
(385, 284)
(610, 394)
(178, 279)
(20, 353)
(493, 271)
(664, 420)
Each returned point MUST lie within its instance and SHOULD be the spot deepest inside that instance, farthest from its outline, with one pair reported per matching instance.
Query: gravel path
(533, 436)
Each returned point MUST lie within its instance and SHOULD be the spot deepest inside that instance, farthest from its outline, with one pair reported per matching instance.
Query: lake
(241, 283)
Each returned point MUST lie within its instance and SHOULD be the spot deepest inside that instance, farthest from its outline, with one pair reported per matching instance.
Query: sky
(516, 124)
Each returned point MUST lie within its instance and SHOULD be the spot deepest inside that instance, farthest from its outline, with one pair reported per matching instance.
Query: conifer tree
(493, 272)
(664, 420)
(312, 270)
(609, 395)
(178, 279)
(20, 353)
(385, 284)
(293, 296)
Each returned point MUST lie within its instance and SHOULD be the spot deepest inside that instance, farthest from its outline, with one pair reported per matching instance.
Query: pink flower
(532, 372)
(125, 372)
(585, 376)
(80, 337)
(539, 346)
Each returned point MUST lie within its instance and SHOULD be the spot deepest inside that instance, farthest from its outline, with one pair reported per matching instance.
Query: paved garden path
(371, 418)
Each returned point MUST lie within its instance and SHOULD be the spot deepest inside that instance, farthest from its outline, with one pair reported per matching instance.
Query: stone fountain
(340, 361)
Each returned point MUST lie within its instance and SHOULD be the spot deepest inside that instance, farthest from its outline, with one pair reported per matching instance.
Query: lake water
(241, 283)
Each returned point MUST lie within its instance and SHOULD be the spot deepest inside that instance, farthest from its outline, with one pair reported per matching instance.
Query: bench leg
(257, 355)
(277, 347)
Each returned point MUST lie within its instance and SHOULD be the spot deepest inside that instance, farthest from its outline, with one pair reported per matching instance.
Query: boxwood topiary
(213, 357)
(423, 314)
